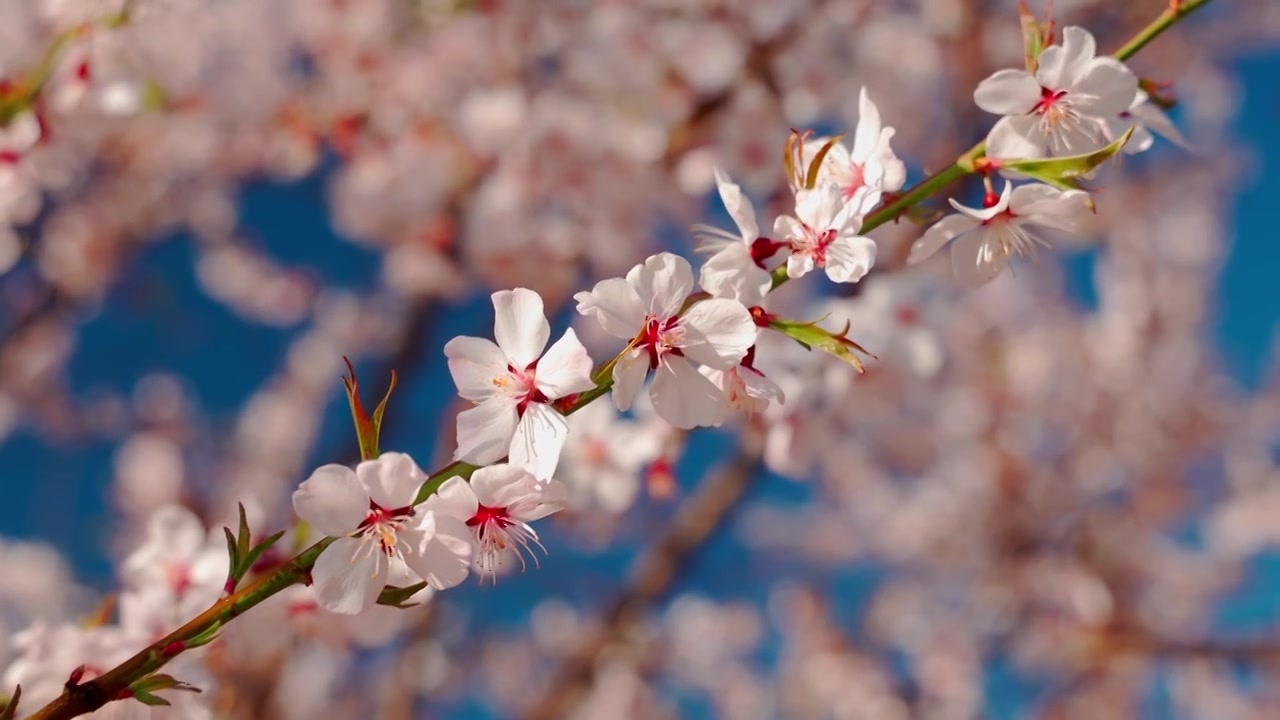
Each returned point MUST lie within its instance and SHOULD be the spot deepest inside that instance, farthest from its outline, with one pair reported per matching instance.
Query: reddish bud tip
(229, 587)
(762, 249)
(174, 648)
(565, 403)
(124, 694)
(75, 677)
(985, 165)
(661, 479)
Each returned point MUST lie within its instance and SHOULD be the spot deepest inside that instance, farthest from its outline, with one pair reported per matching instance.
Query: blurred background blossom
(1052, 497)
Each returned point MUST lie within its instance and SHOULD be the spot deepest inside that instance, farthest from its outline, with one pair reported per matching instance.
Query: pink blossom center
(857, 178)
(486, 516)
(815, 244)
(1048, 98)
(526, 387)
(383, 523)
(180, 578)
(495, 531)
(1000, 218)
(661, 337)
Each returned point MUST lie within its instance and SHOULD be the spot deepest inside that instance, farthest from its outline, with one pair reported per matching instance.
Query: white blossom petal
(975, 259)
(474, 364)
(551, 497)
(986, 213)
(1007, 92)
(849, 259)
(628, 377)
(21, 133)
(939, 234)
(392, 479)
(442, 551)
(718, 332)
(895, 171)
(502, 485)
(866, 137)
(739, 207)
(615, 305)
(684, 397)
(786, 227)
(519, 325)
(1105, 88)
(1016, 137)
(332, 500)
(454, 498)
(799, 265)
(662, 283)
(349, 575)
(1045, 205)
(484, 431)
(565, 368)
(1059, 65)
(1147, 115)
(539, 437)
(732, 273)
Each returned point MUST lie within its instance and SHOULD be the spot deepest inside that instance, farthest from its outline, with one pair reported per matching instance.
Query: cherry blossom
(644, 309)
(497, 505)
(746, 389)
(184, 562)
(986, 238)
(370, 510)
(1063, 108)
(48, 653)
(824, 233)
(513, 385)
(19, 135)
(736, 268)
(870, 167)
(1147, 120)
(606, 452)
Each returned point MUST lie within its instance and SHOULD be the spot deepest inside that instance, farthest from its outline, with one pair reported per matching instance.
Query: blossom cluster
(712, 344)
(700, 347)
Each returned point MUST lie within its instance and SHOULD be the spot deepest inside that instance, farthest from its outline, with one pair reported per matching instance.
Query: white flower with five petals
(513, 385)
(824, 233)
(735, 269)
(497, 505)
(986, 238)
(644, 309)
(870, 168)
(1062, 109)
(370, 510)
(1147, 121)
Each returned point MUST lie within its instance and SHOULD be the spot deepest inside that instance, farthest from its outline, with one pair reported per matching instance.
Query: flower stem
(83, 698)
(965, 164)
(1177, 10)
